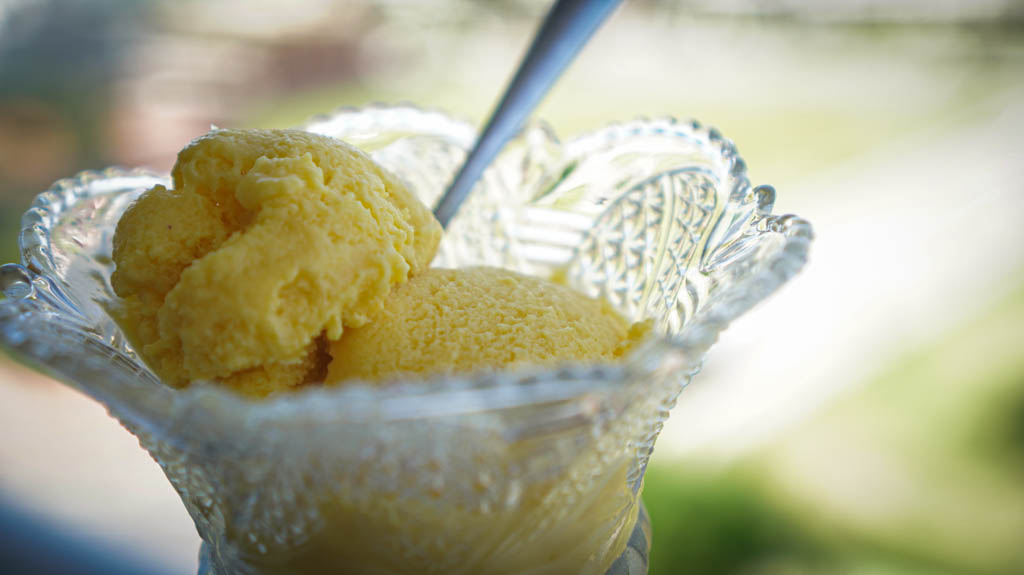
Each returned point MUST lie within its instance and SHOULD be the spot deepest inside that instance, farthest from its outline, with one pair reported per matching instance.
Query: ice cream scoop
(447, 321)
(268, 241)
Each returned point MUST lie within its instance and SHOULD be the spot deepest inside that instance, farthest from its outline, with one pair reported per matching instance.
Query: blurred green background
(869, 418)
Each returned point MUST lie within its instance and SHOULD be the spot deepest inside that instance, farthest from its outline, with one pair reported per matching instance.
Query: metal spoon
(567, 27)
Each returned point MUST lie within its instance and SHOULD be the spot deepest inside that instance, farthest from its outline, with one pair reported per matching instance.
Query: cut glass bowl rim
(364, 401)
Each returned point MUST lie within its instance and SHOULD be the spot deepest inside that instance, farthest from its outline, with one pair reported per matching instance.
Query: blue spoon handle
(568, 26)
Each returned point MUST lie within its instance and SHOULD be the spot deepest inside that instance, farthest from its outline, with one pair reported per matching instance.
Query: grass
(720, 523)
(919, 471)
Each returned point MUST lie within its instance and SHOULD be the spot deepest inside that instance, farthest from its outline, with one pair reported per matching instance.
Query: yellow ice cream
(268, 240)
(473, 319)
(280, 258)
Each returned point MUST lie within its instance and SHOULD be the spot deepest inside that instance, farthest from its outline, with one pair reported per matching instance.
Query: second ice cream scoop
(480, 318)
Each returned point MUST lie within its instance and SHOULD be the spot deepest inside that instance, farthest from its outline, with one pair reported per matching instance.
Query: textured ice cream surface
(447, 321)
(269, 241)
(281, 258)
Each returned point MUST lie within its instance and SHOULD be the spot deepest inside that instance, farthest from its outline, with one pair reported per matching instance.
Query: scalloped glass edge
(692, 342)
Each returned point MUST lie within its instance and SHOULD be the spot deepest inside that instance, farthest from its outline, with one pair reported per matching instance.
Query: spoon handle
(567, 27)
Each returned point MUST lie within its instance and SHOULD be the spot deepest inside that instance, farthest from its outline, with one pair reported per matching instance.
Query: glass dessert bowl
(534, 471)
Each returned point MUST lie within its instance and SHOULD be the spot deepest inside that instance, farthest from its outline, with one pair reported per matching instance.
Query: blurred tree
(56, 63)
